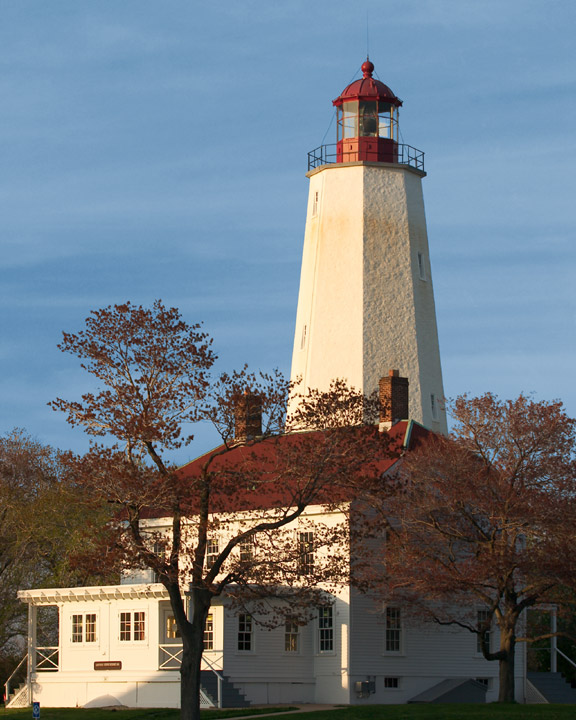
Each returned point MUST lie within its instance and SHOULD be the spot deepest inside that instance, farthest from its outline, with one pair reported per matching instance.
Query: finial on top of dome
(367, 68)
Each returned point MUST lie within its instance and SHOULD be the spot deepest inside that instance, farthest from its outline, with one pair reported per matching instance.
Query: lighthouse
(366, 302)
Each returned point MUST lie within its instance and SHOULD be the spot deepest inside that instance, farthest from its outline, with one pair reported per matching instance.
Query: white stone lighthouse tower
(366, 303)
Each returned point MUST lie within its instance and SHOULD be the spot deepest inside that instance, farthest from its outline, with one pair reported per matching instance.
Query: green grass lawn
(104, 714)
(374, 712)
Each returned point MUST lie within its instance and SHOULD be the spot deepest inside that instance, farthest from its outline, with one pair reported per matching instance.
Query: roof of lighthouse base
(383, 165)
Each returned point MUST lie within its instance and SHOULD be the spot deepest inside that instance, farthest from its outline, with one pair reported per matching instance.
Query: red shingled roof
(259, 476)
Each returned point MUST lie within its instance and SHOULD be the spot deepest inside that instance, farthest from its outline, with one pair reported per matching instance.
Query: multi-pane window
(393, 641)
(391, 683)
(246, 549)
(481, 618)
(209, 632)
(139, 626)
(132, 626)
(245, 632)
(211, 553)
(84, 627)
(325, 630)
(291, 636)
(305, 553)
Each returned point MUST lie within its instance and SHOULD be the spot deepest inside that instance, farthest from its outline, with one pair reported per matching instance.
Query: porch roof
(54, 596)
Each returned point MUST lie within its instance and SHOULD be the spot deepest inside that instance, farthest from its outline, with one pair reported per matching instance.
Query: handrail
(7, 683)
(219, 679)
(551, 650)
(327, 155)
(566, 657)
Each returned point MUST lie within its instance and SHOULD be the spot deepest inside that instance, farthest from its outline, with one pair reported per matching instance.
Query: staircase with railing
(217, 689)
(545, 684)
(46, 659)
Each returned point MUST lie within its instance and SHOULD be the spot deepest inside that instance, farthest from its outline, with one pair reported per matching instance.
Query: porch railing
(47, 659)
(170, 657)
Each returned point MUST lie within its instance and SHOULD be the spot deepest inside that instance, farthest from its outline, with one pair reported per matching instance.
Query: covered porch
(120, 637)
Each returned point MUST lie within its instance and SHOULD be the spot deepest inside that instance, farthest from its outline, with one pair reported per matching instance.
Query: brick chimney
(248, 417)
(393, 399)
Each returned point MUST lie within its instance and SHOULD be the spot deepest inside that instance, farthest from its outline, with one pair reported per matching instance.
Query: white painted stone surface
(363, 307)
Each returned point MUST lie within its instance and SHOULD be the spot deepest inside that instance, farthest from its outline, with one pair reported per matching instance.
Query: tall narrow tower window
(303, 338)
(315, 203)
(421, 266)
(434, 406)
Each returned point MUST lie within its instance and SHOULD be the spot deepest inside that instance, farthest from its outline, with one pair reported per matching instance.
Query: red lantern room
(367, 120)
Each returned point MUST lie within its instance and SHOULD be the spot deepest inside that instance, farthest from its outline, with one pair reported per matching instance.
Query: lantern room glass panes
(387, 120)
(347, 118)
(367, 118)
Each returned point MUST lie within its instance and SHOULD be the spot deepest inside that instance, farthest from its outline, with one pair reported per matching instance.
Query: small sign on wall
(108, 665)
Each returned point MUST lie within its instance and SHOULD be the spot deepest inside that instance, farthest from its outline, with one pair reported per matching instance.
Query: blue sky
(157, 149)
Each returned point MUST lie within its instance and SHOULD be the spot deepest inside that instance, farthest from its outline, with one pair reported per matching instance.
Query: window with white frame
(246, 548)
(393, 633)
(291, 637)
(212, 553)
(209, 632)
(132, 626)
(84, 627)
(482, 617)
(305, 553)
(245, 633)
(158, 549)
(325, 629)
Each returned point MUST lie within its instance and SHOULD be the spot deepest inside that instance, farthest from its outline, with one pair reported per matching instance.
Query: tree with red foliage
(248, 492)
(484, 520)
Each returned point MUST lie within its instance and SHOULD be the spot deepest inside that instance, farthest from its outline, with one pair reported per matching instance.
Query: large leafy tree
(153, 374)
(41, 517)
(481, 524)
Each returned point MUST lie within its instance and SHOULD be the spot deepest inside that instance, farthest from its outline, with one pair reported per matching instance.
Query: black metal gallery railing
(326, 155)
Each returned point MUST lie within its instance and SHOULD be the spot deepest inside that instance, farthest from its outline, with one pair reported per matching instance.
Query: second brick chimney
(393, 399)
(248, 417)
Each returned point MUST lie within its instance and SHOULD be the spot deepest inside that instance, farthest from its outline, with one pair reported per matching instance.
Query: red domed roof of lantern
(367, 89)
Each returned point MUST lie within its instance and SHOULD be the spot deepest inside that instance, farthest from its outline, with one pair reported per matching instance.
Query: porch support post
(553, 640)
(31, 665)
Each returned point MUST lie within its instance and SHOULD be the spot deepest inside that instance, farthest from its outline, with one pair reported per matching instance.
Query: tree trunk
(507, 656)
(192, 632)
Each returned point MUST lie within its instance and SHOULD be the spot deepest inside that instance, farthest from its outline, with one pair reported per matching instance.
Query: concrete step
(554, 687)
(231, 696)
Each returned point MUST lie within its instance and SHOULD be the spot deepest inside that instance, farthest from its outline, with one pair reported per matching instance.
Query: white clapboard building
(119, 645)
